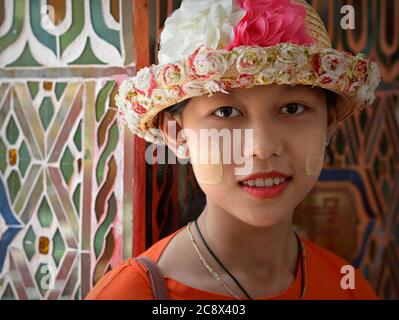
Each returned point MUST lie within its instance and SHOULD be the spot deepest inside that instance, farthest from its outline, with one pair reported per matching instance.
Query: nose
(268, 139)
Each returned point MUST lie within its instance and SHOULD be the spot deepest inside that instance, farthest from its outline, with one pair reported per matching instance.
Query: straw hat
(210, 46)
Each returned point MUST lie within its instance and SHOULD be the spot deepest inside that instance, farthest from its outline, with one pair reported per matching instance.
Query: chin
(265, 218)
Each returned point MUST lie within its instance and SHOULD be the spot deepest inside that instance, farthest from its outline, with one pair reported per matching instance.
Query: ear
(171, 127)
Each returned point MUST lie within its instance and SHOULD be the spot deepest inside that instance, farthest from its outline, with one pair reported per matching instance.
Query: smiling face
(289, 126)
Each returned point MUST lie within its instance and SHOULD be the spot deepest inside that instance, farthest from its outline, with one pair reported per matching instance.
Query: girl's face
(290, 125)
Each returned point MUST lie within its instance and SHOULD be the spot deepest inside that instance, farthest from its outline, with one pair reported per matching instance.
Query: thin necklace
(221, 264)
(213, 273)
(217, 277)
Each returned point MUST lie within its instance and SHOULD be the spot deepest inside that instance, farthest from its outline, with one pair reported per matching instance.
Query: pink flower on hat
(270, 22)
(138, 108)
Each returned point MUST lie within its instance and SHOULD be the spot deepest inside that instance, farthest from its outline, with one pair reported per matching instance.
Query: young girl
(269, 71)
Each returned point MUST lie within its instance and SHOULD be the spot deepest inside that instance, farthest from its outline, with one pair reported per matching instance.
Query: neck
(266, 254)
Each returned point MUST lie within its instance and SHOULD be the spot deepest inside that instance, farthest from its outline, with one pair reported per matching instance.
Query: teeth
(269, 182)
(260, 182)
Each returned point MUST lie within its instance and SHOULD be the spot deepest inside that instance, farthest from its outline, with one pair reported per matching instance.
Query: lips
(265, 185)
(265, 175)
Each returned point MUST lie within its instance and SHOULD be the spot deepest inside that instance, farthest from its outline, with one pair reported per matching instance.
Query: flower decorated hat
(210, 46)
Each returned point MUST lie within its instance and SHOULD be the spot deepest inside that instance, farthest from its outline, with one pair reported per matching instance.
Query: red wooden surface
(142, 52)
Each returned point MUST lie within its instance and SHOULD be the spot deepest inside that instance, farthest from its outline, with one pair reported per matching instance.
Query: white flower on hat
(159, 96)
(125, 87)
(284, 77)
(193, 88)
(251, 60)
(334, 64)
(266, 76)
(366, 94)
(143, 102)
(354, 88)
(172, 74)
(144, 80)
(374, 76)
(213, 66)
(175, 93)
(198, 22)
(304, 76)
(290, 56)
(328, 79)
(131, 118)
(213, 86)
(120, 101)
(246, 80)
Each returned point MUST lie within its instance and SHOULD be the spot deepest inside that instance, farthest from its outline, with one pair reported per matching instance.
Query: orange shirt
(129, 280)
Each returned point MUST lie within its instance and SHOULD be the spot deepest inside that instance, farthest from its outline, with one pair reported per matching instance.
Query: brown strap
(158, 284)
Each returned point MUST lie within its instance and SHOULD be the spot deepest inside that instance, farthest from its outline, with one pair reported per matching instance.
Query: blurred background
(76, 194)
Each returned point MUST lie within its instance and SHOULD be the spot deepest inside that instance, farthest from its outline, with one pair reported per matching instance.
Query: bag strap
(158, 284)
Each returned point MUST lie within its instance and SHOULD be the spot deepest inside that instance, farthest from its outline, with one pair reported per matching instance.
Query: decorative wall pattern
(87, 33)
(62, 190)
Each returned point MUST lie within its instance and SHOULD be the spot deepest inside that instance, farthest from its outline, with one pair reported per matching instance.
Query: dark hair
(196, 199)
(332, 100)
(178, 107)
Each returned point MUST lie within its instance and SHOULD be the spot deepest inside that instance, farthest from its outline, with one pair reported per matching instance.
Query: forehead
(262, 92)
(274, 89)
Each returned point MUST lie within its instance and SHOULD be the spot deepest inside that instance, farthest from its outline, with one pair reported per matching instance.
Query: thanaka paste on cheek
(209, 171)
(315, 154)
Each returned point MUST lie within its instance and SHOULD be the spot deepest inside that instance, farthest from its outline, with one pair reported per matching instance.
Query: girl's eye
(227, 112)
(294, 108)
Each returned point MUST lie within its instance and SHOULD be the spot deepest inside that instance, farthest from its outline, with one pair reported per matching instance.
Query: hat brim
(207, 71)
